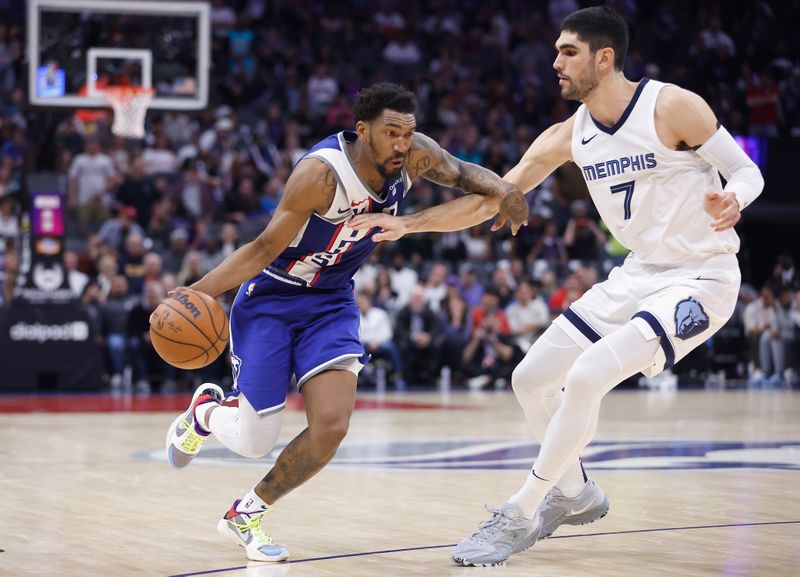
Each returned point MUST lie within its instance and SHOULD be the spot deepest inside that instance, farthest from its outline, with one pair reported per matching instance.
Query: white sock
(251, 503)
(531, 494)
(200, 414)
(571, 484)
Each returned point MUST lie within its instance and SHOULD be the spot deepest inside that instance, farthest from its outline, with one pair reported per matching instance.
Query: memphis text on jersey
(619, 166)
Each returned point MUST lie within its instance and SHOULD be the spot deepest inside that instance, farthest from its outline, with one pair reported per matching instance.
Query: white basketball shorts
(681, 306)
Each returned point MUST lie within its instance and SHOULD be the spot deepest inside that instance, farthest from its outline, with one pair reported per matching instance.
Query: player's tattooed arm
(310, 189)
(430, 161)
(490, 195)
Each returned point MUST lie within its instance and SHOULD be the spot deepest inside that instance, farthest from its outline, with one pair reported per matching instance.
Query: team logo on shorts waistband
(690, 319)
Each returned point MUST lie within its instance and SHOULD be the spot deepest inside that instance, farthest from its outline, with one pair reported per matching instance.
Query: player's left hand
(394, 227)
(514, 210)
(723, 208)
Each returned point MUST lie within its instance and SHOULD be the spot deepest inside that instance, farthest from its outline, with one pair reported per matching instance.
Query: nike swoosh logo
(583, 510)
(587, 140)
(705, 278)
(345, 211)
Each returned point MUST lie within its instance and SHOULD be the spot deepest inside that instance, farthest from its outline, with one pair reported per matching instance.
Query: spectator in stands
(91, 176)
(455, 325)
(76, 280)
(528, 315)
(416, 331)
(490, 356)
(471, 289)
(490, 304)
(550, 248)
(140, 348)
(160, 158)
(436, 287)
(114, 328)
(137, 191)
(774, 340)
(582, 237)
(192, 269)
(503, 283)
(404, 278)
(178, 247)
(376, 334)
(132, 262)
(115, 230)
(322, 90)
(759, 320)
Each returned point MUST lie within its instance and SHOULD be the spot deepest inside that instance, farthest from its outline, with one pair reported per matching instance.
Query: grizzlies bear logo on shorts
(690, 319)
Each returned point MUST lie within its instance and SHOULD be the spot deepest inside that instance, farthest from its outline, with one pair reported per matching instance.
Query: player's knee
(329, 432)
(524, 379)
(582, 382)
(257, 447)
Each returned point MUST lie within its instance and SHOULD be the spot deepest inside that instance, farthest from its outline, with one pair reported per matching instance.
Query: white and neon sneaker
(246, 530)
(185, 437)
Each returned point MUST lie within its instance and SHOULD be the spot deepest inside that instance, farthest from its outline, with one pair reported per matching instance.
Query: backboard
(76, 47)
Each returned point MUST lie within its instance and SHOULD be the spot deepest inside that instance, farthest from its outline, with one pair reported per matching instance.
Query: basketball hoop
(130, 106)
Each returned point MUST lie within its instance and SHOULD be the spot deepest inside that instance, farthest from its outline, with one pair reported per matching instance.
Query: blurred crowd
(148, 215)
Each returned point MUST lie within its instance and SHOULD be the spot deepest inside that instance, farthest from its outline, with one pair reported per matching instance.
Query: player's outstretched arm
(310, 188)
(490, 195)
(684, 120)
(549, 151)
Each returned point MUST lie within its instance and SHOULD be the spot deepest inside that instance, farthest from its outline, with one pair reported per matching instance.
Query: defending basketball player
(651, 154)
(295, 313)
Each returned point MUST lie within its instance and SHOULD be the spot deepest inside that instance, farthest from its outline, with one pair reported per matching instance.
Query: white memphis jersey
(650, 197)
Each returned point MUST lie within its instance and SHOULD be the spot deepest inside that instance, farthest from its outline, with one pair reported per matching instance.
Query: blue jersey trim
(625, 114)
(581, 325)
(666, 345)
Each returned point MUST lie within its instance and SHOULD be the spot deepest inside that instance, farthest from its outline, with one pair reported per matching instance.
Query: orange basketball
(189, 329)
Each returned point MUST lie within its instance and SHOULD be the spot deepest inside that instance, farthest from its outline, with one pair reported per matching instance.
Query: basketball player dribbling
(295, 312)
(651, 154)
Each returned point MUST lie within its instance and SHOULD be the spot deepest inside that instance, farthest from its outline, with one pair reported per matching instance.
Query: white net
(130, 107)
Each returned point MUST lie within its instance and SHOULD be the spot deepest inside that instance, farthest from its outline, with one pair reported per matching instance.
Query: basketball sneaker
(588, 506)
(507, 532)
(185, 437)
(247, 531)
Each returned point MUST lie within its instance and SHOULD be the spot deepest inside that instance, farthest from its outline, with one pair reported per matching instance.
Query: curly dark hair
(371, 102)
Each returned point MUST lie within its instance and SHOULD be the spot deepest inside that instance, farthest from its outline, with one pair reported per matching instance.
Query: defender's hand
(513, 209)
(723, 208)
(394, 227)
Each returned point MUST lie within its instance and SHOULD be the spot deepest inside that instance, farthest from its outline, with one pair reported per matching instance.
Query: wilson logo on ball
(188, 305)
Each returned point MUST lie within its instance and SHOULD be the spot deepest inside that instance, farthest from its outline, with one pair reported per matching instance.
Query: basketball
(189, 329)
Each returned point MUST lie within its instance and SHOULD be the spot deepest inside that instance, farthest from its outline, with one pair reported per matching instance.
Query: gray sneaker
(507, 532)
(556, 510)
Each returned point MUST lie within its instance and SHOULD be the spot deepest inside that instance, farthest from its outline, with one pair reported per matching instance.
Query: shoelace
(191, 443)
(491, 526)
(255, 527)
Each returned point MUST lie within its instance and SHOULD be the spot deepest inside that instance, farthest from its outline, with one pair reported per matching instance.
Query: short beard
(381, 166)
(582, 86)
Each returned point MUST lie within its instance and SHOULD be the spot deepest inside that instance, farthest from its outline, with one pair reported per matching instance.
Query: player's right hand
(514, 210)
(394, 227)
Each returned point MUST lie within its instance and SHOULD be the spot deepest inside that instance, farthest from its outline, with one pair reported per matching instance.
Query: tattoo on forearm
(295, 466)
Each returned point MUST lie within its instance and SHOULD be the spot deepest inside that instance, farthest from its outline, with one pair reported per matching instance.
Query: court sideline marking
(386, 551)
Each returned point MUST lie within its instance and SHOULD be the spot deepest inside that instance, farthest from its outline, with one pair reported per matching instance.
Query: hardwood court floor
(701, 484)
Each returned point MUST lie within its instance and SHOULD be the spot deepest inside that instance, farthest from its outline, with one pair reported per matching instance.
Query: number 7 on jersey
(627, 188)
